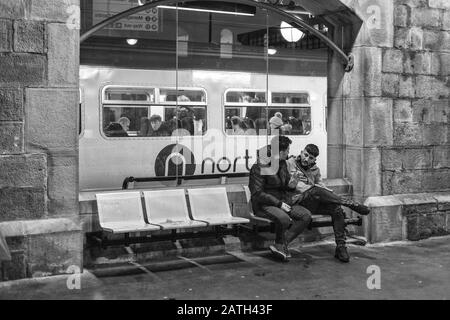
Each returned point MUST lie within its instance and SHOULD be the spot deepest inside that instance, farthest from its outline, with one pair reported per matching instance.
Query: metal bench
(122, 212)
(211, 206)
(168, 209)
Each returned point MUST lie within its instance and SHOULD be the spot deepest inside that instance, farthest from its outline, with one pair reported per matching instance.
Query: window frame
(268, 104)
(148, 104)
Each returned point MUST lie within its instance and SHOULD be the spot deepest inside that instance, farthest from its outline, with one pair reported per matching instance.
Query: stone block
(16, 268)
(353, 168)
(430, 112)
(58, 107)
(372, 184)
(366, 77)
(408, 38)
(401, 15)
(23, 171)
(390, 84)
(11, 137)
(22, 70)
(422, 63)
(425, 17)
(22, 203)
(378, 126)
(11, 104)
(401, 182)
(335, 125)
(335, 162)
(391, 61)
(432, 225)
(13, 9)
(441, 157)
(412, 3)
(63, 60)
(406, 87)
(435, 134)
(5, 35)
(52, 10)
(443, 201)
(63, 185)
(439, 4)
(414, 204)
(440, 63)
(29, 36)
(52, 254)
(436, 180)
(353, 121)
(403, 111)
(407, 134)
(446, 20)
(431, 87)
(436, 40)
(406, 159)
(386, 222)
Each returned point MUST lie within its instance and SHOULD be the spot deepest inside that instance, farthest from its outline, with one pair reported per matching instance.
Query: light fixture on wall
(132, 42)
(289, 33)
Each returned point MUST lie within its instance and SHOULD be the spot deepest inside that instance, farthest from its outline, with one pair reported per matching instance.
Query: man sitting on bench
(271, 195)
(313, 195)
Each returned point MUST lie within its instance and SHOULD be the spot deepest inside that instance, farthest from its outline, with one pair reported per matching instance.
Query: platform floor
(410, 270)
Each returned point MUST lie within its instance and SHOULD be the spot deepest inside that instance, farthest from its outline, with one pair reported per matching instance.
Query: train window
(246, 113)
(113, 95)
(181, 96)
(123, 121)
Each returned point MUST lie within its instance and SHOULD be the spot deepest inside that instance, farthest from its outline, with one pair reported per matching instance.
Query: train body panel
(106, 161)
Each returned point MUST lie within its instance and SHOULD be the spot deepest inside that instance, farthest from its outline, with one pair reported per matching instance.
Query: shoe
(357, 207)
(286, 251)
(341, 253)
(278, 252)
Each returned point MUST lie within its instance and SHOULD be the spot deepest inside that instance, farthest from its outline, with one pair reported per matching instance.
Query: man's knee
(300, 213)
(277, 215)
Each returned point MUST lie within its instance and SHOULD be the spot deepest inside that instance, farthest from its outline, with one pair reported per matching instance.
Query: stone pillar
(396, 113)
(39, 49)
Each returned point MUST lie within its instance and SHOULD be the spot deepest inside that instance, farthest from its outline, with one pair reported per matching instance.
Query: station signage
(147, 20)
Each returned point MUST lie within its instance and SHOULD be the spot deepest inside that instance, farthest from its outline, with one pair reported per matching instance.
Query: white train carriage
(202, 104)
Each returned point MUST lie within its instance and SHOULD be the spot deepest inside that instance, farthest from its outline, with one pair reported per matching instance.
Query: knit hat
(277, 122)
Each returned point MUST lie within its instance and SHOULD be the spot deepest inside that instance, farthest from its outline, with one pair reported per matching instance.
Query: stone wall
(39, 48)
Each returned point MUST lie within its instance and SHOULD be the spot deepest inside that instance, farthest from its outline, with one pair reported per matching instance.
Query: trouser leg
(323, 196)
(279, 217)
(301, 219)
(338, 218)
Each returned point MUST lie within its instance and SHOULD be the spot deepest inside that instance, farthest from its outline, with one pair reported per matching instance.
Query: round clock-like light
(290, 33)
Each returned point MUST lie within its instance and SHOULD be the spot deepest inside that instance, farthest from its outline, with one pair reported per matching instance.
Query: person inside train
(157, 127)
(318, 199)
(115, 129)
(271, 195)
(297, 125)
(125, 123)
(238, 126)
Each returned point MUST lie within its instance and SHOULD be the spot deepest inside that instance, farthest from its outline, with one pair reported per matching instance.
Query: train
(213, 122)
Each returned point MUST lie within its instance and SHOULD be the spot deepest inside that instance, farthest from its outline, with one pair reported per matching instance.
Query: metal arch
(294, 21)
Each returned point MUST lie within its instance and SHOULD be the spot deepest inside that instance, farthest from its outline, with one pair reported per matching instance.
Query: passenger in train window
(157, 127)
(115, 129)
(313, 195)
(275, 124)
(125, 123)
(238, 126)
(271, 195)
(297, 126)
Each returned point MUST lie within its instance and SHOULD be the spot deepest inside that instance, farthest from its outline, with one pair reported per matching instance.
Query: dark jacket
(269, 189)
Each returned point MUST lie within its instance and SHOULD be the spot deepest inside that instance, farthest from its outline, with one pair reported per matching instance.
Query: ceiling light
(289, 33)
(132, 42)
(209, 10)
(271, 51)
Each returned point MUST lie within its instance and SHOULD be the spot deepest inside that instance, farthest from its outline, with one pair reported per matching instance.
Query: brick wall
(39, 48)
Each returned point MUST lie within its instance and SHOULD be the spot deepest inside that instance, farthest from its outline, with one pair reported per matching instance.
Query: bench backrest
(166, 206)
(119, 207)
(209, 203)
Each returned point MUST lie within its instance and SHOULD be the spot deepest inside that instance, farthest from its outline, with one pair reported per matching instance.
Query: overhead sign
(147, 20)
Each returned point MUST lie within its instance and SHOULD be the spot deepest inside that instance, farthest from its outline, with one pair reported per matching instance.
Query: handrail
(179, 179)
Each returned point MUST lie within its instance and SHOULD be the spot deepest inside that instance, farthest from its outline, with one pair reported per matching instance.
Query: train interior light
(289, 33)
(132, 42)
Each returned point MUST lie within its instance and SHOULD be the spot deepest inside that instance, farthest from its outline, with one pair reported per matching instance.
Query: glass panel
(245, 120)
(128, 94)
(181, 96)
(291, 121)
(120, 121)
(290, 98)
(246, 97)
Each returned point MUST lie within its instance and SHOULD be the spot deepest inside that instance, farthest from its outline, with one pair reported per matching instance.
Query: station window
(153, 112)
(247, 113)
